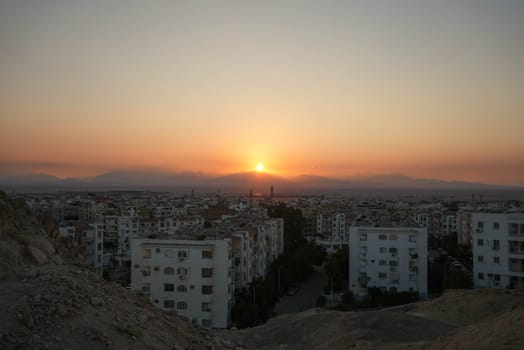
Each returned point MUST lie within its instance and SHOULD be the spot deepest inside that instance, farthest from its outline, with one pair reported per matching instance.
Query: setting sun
(260, 167)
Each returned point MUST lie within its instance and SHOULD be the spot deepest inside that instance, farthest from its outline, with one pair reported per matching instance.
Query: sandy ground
(460, 319)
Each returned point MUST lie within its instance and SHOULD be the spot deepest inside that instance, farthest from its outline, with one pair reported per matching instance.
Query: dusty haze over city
(334, 88)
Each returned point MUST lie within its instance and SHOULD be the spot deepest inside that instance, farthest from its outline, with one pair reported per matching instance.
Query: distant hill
(238, 182)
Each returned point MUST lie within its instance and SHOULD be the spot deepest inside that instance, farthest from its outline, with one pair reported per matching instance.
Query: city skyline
(337, 89)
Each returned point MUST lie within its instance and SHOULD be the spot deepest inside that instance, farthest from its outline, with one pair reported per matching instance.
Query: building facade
(389, 257)
(498, 250)
(193, 277)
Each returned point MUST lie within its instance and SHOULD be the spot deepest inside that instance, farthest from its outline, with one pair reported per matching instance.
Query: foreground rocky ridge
(50, 300)
(460, 319)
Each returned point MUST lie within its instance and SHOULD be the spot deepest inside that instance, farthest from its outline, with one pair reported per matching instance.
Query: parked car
(292, 290)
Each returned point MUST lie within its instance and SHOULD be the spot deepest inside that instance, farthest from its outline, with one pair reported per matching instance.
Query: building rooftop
(396, 219)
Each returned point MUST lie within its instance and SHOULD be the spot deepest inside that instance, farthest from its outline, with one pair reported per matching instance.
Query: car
(292, 290)
(457, 265)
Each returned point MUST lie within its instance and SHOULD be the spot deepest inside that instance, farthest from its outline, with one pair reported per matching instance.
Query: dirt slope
(503, 330)
(317, 329)
(462, 307)
(460, 319)
(51, 302)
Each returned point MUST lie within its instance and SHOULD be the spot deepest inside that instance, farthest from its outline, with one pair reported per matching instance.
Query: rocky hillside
(460, 319)
(50, 301)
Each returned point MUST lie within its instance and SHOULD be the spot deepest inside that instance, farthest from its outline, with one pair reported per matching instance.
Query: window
(496, 244)
(169, 304)
(181, 305)
(412, 277)
(496, 260)
(480, 276)
(412, 238)
(393, 250)
(383, 250)
(207, 289)
(480, 242)
(496, 278)
(480, 258)
(205, 307)
(363, 237)
(382, 275)
(382, 237)
(147, 253)
(181, 288)
(169, 271)
(412, 251)
(395, 281)
(382, 263)
(146, 271)
(182, 254)
(207, 272)
(496, 225)
(480, 226)
(207, 254)
(169, 287)
(393, 263)
(169, 253)
(146, 287)
(392, 237)
(182, 271)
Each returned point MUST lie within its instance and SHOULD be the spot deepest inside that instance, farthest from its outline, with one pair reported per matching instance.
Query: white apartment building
(331, 225)
(392, 256)
(193, 277)
(449, 223)
(128, 228)
(93, 239)
(498, 250)
(464, 226)
(202, 274)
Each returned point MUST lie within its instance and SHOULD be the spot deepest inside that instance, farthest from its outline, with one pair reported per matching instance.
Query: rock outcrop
(49, 301)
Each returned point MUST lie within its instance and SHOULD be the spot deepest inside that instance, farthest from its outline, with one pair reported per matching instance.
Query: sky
(430, 89)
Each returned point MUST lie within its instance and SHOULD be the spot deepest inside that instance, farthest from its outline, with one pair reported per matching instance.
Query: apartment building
(203, 273)
(193, 277)
(464, 227)
(387, 253)
(498, 249)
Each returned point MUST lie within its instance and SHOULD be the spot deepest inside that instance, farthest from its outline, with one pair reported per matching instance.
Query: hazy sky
(430, 89)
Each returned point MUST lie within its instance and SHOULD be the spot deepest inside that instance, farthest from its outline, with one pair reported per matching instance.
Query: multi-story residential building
(498, 250)
(251, 244)
(449, 222)
(193, 277)
(387, 253)
(92, 239)
(464, 227)
(332, 232)
(310, 221)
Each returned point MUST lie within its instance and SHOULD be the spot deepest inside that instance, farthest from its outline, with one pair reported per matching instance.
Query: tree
(337, 269)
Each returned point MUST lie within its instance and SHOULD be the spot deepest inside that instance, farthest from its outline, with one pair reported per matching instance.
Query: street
(308, 292)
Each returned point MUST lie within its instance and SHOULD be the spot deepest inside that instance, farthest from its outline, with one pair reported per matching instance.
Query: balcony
(516, 265)
(516, 230)
(516, 247)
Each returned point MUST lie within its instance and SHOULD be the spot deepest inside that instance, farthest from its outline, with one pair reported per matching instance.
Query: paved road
(306, 296)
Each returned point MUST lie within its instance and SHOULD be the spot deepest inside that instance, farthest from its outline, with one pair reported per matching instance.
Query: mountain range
(243, 181)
